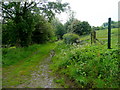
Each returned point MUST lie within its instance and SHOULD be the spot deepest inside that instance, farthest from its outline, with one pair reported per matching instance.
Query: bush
(70, 38)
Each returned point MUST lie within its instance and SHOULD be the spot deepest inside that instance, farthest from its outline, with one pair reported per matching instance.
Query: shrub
(70, 38)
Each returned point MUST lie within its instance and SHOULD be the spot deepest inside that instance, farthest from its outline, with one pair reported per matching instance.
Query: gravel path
(41, 78)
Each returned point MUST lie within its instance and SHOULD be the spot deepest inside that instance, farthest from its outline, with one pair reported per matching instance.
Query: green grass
(25, 61)
(89, 66)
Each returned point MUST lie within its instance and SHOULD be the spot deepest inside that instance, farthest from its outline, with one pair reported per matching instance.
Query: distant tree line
(114, 24)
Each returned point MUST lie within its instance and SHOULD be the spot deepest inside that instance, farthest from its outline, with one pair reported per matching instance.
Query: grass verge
(20, 62)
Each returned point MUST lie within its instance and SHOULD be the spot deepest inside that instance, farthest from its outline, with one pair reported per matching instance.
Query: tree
(49, 9)
(85, 28)
(8, 34)
(71, 18)
(78, 27)
(59, 28)
(43, 30)
(22, 17)
(22, 21)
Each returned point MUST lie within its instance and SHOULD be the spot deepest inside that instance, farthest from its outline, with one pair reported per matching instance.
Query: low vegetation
(92, 66)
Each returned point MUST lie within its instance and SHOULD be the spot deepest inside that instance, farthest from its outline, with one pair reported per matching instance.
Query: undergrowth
(89, 66)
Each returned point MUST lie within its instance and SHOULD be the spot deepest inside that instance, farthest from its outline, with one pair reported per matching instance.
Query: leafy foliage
(50, 8)
(8, 34)
(59, 28)
(22, 20)
(43, 30)
(91, 67)
(78, 27)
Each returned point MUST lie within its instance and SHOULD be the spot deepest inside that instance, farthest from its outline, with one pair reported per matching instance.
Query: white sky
(96, 12)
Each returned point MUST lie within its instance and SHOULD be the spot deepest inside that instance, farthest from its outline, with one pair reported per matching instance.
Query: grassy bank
(89, 66)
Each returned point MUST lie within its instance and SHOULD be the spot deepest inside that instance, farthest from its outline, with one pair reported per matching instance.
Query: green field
(102, 35)
(86, 65)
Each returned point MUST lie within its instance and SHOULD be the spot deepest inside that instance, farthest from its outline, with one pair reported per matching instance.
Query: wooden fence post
(109, 33)
(93, 37)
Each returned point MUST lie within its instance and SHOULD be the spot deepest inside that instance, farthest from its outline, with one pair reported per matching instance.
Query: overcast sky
(94, 11)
